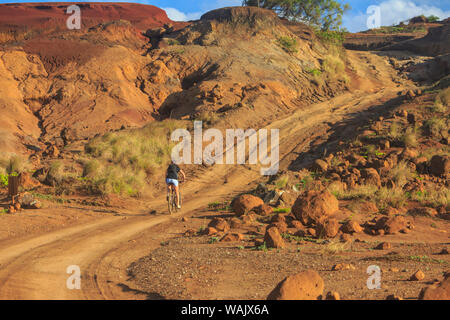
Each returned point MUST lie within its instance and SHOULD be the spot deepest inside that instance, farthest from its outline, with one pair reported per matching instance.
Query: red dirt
(45, 15)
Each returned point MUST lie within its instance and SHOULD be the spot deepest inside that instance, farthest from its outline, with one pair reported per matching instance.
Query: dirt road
(35, 268)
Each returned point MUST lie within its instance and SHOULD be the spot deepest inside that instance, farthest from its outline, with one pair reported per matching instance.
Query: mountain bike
(172, 198)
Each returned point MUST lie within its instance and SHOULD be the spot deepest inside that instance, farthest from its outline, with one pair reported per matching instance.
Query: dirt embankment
(428, 39)
(110, 76)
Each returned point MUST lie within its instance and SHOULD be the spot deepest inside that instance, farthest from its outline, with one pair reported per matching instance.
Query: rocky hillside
(120, 71)
(39, 56)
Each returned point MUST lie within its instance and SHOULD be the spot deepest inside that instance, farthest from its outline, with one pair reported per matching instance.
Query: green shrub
(120, 162)
(333, 37)
(281, 182)
(208, 117)
(173, 42)
(282, 210)
(14, 164)
(314, 72)
(409, 138)
(395, 130)
(3, 180)
(401, 173)
(436, 126)
(288, 44)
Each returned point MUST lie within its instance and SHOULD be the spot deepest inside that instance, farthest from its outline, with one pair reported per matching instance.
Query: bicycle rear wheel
(170, 202)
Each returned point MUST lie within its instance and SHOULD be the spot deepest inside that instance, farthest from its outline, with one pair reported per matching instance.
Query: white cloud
(177, 15)
(205, 6)
(392, 12)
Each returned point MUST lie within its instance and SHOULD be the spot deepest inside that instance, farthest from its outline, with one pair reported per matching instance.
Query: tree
(433, 18)
(325, 14)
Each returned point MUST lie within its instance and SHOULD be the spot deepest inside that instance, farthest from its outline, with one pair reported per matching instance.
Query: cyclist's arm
(182, 173)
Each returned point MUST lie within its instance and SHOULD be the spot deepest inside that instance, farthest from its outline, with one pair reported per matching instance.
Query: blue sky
(391, 11)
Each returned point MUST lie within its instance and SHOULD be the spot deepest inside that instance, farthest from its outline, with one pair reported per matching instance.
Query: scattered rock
(210, 231)
(418, 276)
(232, 237)
(390, 211)
(189, 233)
(384, 144)
(287, 198)
(439, 291)
(351, 227)
(27, 182)
(311, 232)
(245, 203)
(17, 206)
(409, 153)
(219, 224)
(264, 210)
(320, 166)
(333, 295)
(343, 266)
(307, 285)
(296, 224)
(345, 237)
(392, 225)
(383, 246)
(281, 226)
(315, 206)
(249, 219)
(328, 228)
(371, 176)
(236, 223)
(423, 211)
(410, 94)
(393, 297)
(41, 175)
(278, 218)
(273, 238)
(440, 165)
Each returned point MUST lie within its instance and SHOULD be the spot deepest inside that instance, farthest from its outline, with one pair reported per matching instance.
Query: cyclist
(172, 179)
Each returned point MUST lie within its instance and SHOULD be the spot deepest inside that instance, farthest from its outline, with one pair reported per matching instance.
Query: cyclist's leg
(177, 191)
(168, 190)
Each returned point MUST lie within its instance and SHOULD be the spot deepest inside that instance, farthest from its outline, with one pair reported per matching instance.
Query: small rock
(264, 210)
(345, 237)
(307, 285)
(423, 211)
(351, 227)
(418, 276)
(343, 266)
(232, 237)
(383, 246)
(189, 233)
(393, 297)
(320, 166)
(210, 231)
(333, 295)
(219, 224)
(245, 203)
(273, 238)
